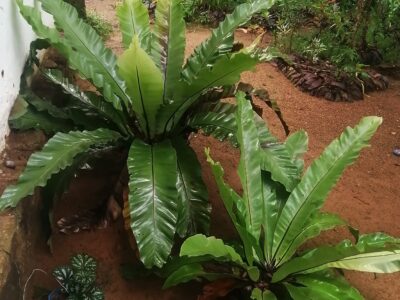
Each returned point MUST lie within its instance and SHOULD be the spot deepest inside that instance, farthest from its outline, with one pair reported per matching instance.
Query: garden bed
(366, 196)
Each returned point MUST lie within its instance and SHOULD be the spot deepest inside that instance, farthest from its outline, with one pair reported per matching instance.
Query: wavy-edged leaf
(314, 226)
(89, 55)
(215, 94)
(168, 43)
(205, 52)
(297, 145)
(274, 198)
(224, 49)
(63, 119)
(322, 286)
(249, 169)
(32, 119)
(56, 155)
(236, 209)
(86, 103)
(277, 161)
(153, 199)
(275, 108)
(194, 208)
(276, 158)
(274, 193)
(134, 20)
(218, 121)
(200, 245)
(310, 194)
(33, 15)
(145, 85)
(377, 253)
(43, 105)
(226, 71)
(264, 135)
(263, 95)
(190, 272)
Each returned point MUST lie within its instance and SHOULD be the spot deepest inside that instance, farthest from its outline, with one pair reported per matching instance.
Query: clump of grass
(102, 26)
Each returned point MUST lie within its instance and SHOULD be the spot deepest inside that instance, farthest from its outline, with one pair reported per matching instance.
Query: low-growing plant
(205, 12)
(147, 102)
(78, 280)
(274, 219)
(313, 51)
(353, 32)
(102, 26)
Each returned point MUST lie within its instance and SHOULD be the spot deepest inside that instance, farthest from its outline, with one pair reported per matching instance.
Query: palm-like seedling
(147, 100)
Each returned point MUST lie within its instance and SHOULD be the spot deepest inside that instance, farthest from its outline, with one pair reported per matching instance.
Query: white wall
(15, 38)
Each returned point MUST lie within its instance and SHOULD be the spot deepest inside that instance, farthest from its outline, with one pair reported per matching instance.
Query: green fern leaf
(89, 55)
(205, 52)
(321, 176)
(56, 155)
(134, 20)
(153, 199)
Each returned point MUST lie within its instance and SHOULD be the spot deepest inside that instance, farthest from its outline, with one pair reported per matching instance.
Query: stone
(10, 164)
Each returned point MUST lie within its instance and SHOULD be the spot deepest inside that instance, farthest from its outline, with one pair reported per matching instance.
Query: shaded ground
(368, 195)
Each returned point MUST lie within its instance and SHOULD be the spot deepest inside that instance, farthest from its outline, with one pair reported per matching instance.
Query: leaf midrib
(185, 191)
(346, 259)
(316, 186)
(142, 102)
(155, 229)
(99, 62)
(166, 69)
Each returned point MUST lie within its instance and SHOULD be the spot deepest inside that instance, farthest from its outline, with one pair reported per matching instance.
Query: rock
(396, 151)
(10, 164)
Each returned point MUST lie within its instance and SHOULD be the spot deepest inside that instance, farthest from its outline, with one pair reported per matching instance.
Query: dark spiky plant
(148, 100)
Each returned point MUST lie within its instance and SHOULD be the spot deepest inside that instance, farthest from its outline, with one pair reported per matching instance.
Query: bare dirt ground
(368, 196)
